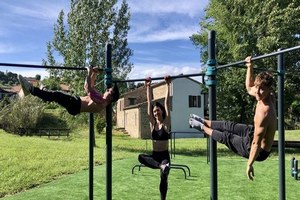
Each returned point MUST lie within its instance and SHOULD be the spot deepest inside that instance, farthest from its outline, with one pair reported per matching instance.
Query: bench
(172, 166)
(45, 132)
(288, 144)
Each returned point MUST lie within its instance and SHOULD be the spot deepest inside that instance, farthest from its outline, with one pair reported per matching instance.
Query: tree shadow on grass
(132, 150)
(180, 151)
(287, 151)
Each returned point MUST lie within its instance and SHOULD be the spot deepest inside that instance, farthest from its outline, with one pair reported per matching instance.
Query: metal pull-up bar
(43, 66)
(260, 57)
(159, 78)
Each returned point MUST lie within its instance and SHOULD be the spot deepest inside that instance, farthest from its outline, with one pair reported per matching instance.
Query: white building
(185, 97)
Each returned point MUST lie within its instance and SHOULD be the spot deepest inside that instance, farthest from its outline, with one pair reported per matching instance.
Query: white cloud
(164, 20)
(45, 10)
(152, 21)
(33, 73)
(190, 7)
(141, 71)
(31, 14)
(7, 48)
(27, 72)
(12, 48)
(173, 32)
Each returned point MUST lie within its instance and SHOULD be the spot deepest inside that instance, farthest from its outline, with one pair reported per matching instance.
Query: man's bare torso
(267, 113)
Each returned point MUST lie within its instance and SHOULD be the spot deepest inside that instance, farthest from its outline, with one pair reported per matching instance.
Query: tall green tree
(244, 28)
(81, 40)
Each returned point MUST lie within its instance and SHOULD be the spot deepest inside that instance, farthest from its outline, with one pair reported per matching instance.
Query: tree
(295, 109)
(8, 78)
(38, 77)
(249, 28)
(121, 53)
(81, 41)
(91, 24)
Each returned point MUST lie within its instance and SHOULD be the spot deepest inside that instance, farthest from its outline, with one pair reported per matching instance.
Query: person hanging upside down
(159, 119)
(94, 102)
(252, 142)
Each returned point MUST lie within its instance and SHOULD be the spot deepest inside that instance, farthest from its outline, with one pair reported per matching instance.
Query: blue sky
(159, 34)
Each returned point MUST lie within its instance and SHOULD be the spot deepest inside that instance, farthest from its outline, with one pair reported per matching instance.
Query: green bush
(100, 123)
(76, 121)
(4, 102)
(22, 114)
(82, 120)
(51, 120)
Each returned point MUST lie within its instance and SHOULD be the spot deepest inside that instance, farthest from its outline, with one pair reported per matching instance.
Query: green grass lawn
(39, 168)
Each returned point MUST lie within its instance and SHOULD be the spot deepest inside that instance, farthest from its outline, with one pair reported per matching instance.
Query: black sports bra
(160, 134)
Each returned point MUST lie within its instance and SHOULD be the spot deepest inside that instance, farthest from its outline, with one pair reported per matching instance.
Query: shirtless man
(94, 102)
(252, 142)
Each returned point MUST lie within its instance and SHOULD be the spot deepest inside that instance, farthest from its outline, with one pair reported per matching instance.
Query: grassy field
(41, 168)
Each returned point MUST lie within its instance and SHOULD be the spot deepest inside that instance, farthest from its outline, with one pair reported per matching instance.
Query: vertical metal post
(108, 82)
(91, 149)
(281, 137)
(211, 82)
(91, 156)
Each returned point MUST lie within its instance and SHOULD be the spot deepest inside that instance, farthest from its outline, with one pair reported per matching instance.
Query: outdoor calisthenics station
(210, 82)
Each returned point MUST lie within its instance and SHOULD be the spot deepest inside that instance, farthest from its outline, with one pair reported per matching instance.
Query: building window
(195, 101)
(131, 101)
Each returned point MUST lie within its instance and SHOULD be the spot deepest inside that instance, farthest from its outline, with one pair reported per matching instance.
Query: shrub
(22, 114)
(74, 121)
(82, 119)
(4, 102)
(100, 123)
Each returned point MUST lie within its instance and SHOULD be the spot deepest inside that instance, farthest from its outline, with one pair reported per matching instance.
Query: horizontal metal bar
(159, 78)
(42, 66)
(255, 69)
(261, 56)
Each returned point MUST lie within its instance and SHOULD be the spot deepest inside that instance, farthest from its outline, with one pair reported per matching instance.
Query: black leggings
(71, 103)
(154, 161)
